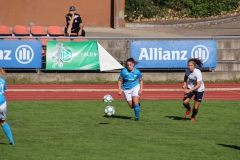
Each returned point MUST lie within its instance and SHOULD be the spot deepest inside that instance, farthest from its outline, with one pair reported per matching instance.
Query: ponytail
(2, 72)
(132, 60)
(196, 62)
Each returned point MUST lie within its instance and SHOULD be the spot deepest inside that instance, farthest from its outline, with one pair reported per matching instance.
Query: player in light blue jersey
(3, 109)
(193, 86)
(131, 83)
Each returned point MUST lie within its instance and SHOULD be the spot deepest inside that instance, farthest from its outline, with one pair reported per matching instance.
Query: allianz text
(159, 54)
(5, 55)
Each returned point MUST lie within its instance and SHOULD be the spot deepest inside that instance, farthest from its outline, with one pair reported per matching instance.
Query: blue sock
(8, 132)
(136, 110)
(187, 106)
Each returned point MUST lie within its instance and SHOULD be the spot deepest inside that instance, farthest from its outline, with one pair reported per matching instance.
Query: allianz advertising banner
(173, 54)
(72, 55)
(20, 54)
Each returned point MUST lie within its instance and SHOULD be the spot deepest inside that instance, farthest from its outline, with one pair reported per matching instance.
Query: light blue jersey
(130, 79)
(3, 87)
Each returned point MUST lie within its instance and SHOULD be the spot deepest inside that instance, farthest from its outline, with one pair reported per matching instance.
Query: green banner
(72, 55)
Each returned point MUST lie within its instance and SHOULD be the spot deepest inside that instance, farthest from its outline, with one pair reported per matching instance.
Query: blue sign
(20, 54)
(174, 54)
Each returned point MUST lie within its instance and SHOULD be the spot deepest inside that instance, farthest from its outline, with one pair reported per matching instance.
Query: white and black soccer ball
(109, 110)
(107, 98)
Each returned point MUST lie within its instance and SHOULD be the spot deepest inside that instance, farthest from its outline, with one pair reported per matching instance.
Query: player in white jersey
(193, 86)
(3, 109)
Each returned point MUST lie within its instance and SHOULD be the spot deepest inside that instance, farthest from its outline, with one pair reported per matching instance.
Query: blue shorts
(198, 96)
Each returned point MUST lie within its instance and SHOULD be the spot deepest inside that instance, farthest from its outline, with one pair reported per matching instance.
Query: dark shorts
(198, 96)
(75, 31)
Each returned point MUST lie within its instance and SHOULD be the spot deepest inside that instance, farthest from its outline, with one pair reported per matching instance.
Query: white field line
(112, 90)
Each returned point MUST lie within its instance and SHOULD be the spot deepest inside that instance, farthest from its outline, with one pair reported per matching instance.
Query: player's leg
(83, 33)
(136, 107)
(66, 33)
(198, 99)
(195, 110)
(187, 97)
(69, 30)
(56, 62)
(135, 97)
(128, 97)
(5, 126)
(130, 104)
(7, 130)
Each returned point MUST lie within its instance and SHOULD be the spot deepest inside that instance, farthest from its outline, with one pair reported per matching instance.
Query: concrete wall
(117, 48)
(97, 13)
(228, 55)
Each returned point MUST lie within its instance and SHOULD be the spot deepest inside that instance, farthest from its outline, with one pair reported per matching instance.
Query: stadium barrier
(228, 55)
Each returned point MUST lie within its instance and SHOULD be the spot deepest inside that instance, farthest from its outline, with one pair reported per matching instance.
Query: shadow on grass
(103, 123)
(230, 146)
(177, 118)
(116, 116)
(3, 143)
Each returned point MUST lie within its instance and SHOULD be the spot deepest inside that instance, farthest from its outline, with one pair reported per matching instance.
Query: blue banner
(20, 54)
(174, 54)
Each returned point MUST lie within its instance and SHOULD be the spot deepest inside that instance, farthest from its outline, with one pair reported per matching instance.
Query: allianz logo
(199, 51)
(24, 54)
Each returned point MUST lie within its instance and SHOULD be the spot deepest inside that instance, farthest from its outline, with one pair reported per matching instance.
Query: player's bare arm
(81, 28)
(70, 23)
(141, 86)
(194, 88)
(119, 86)
(185, 82)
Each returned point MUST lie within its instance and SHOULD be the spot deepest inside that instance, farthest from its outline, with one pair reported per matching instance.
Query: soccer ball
(109, 110)
(107, 98)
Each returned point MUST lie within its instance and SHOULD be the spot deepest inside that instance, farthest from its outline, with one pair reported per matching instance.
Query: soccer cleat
(12, 143)
(193, 119)
(187, 113)
(136, 119)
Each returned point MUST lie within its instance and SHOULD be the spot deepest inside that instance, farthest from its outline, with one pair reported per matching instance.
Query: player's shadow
(117, 116)
(3, 143)
(230, 146)
(103, 123)
(178, 118)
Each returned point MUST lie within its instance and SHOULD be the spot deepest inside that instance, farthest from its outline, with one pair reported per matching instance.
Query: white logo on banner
(5, 55)
(160, 54)
(201, 52)
(24, 54)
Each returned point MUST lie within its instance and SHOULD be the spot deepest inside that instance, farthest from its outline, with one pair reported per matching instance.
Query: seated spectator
(74, 23)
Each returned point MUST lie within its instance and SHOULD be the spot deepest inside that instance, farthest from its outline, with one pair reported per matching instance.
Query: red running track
(214, 91)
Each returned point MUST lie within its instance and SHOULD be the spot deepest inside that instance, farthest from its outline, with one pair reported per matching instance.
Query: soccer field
(79, 130)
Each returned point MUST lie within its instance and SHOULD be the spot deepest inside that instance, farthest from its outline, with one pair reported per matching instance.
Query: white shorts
(3, 111)
(131, 92)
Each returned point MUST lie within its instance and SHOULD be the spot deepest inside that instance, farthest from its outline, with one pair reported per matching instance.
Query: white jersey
(195, 77)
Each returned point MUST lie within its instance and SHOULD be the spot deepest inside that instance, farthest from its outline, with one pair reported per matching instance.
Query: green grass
(66, 130)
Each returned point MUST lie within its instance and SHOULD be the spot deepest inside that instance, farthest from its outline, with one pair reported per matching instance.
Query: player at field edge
(3, 109)
(193, 85)
(130, 82)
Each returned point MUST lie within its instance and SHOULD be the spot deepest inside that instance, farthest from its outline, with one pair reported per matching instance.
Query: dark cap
(72, 8)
